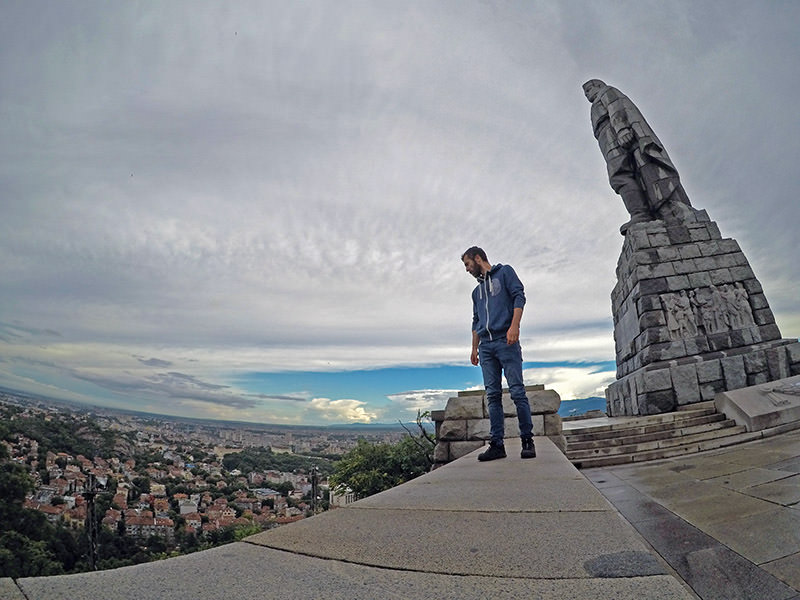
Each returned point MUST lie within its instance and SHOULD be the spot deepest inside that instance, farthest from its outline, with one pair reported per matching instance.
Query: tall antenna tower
(91, 520)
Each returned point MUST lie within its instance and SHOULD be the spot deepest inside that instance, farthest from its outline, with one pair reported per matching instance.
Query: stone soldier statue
(639, 168)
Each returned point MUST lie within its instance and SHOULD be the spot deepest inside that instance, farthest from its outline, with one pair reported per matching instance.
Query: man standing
(497, 304)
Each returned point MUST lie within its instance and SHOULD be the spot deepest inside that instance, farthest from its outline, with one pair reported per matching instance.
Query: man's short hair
(473, 252)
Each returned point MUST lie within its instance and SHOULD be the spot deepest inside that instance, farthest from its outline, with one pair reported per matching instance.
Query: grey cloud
(18, 331)
(154, 362)
(173, 385)
(280, 397)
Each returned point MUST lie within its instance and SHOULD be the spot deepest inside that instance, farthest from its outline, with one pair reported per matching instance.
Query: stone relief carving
(777, 395)
(707, 310)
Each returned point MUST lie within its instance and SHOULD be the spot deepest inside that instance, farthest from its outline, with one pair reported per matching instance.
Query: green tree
(14, 485)
(141, 485)
(22, 557)
(371, 468)
(28, 543)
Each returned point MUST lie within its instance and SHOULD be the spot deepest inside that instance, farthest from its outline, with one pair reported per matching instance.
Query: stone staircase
(693, 428)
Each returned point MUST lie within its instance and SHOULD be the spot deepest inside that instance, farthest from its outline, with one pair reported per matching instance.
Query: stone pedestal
(690, 320)
(764, 406)
(463, 425)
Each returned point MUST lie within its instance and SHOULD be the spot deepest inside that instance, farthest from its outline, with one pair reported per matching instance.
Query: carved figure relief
(703, 311)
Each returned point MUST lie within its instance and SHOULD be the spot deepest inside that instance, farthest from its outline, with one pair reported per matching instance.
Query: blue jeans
(497, 357)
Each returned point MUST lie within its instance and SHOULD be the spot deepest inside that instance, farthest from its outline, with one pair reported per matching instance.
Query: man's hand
(474, 357)
(512, 335)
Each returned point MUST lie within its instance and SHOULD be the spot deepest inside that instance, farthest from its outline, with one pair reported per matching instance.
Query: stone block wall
(463, 426)
(690, 320)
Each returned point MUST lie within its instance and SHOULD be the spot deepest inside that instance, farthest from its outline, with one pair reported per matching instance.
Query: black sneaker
(494, 452)
(528, 449)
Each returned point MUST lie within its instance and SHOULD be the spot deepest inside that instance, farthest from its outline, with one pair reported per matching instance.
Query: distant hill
(572, 408)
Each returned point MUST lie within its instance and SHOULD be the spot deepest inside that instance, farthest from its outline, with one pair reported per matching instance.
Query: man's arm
(517, 292)
(512, 336)
(473, 358)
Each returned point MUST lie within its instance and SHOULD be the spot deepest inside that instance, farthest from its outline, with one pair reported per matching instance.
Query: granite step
(642, 426)
(690, 429)
(698, 405)
(691, 448)
(616, 423)
(628, 440)
(729, 428)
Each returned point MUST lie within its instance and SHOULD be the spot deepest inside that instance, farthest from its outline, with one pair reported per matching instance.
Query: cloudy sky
(255, 210)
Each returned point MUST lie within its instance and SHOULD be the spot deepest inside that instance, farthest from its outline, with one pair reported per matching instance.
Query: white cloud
(571, 382)
(339, 411)
(411, 402)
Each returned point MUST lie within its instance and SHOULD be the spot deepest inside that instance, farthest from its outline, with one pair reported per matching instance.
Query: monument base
(664, 386)
(690, 319)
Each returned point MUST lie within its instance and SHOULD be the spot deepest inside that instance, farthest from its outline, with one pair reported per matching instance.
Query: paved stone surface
(501, 533)
(515, 525)
(507, 529)
(727, 521)
(9, 590)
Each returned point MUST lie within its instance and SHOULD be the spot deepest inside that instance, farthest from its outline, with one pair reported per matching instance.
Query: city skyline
(255, 212)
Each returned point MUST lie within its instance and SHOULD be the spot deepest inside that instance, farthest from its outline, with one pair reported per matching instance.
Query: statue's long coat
(646, 160)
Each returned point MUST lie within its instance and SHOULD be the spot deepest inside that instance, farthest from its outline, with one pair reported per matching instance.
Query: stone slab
(262, 572)
(568, 495)
(532, 526)
(758, 454)
(721, 507)
(711, 569)
(786, 569)
(465, 407)
(721, 546)
(459, 449)
(751, 478)
(778, 534)
(550, 467)
(9, 590)
(789, 464)
(544, 401)
(453, 430)
(540, 401)
(702, 467)
(761, 406)
(783, 491)
(717, 573)
(532, 543)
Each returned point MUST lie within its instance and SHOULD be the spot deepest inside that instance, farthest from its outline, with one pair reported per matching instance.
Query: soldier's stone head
(592, 87)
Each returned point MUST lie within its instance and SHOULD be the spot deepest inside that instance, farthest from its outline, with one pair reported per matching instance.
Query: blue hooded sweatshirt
(498, 293)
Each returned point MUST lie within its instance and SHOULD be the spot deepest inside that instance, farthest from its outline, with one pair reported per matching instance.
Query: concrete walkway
(721, 524)
(506, 529)
(727, 521)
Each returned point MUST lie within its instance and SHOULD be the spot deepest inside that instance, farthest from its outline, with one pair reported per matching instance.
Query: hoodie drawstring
(488, 320)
